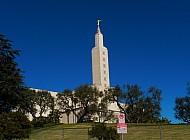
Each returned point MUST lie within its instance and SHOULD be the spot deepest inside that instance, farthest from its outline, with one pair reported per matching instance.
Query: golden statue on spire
(98, 22)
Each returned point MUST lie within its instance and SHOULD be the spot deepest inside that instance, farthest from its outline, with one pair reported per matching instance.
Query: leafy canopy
(11, 83)
(138, 106)
(14, 125)
(182, 107)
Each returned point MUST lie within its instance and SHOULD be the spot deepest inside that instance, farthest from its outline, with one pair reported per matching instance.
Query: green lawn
(152, 132)
(135, 132)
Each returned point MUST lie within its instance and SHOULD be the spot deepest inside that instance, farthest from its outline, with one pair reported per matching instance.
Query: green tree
(69, 102)
(182, 107)
(54, 117)
(103, 111)
(14, 125)
(66, 102)
(11, 81)
(115, 95)
(129, 101)
(54, 114)
(83, 102)
(152, 104)
(133, 99)
(137, 105)
(44, 100)
(30, 98)
(87, 99)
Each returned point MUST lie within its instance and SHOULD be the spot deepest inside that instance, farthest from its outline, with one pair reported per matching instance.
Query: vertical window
(104, 65)
(104, 72)
(104, 59)
(104, 78)
(103, 53)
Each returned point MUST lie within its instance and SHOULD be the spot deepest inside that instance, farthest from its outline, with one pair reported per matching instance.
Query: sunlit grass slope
(135, 132)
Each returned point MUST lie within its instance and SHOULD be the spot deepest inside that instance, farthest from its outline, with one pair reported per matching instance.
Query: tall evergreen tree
(11, 81)
(13, 99)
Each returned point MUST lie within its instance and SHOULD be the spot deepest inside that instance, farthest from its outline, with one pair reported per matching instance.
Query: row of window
(104, 65)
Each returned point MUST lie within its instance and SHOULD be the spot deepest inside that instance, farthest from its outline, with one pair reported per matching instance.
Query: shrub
(14, 125)
(101, 132)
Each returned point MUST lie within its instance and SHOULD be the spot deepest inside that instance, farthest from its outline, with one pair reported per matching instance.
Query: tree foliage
(13, 97)
(182, 107)
(83, 102)
(152, 104)
(11, 81)
(87, 104)
(31, 101)
(45, 101)
(45, 104)
(14, 125)
(104, 113)
(133, 103)
(87, 98)
(66, 102)
(138, 106)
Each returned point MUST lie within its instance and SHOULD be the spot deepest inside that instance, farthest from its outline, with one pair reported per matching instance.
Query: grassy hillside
(135, 132)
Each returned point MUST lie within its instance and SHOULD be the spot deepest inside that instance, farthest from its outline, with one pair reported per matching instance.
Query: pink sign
(121, 128)
(121, 118)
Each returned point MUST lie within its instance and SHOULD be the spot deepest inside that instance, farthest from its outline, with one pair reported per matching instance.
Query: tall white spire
(100, 66)
(98, 36)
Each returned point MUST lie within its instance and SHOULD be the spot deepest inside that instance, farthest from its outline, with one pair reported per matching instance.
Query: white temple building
(100, 74)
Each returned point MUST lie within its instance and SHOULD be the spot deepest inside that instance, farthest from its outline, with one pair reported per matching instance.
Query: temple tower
(100, 65)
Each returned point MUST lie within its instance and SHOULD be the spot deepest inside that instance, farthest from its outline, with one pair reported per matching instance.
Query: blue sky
(148, 43)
